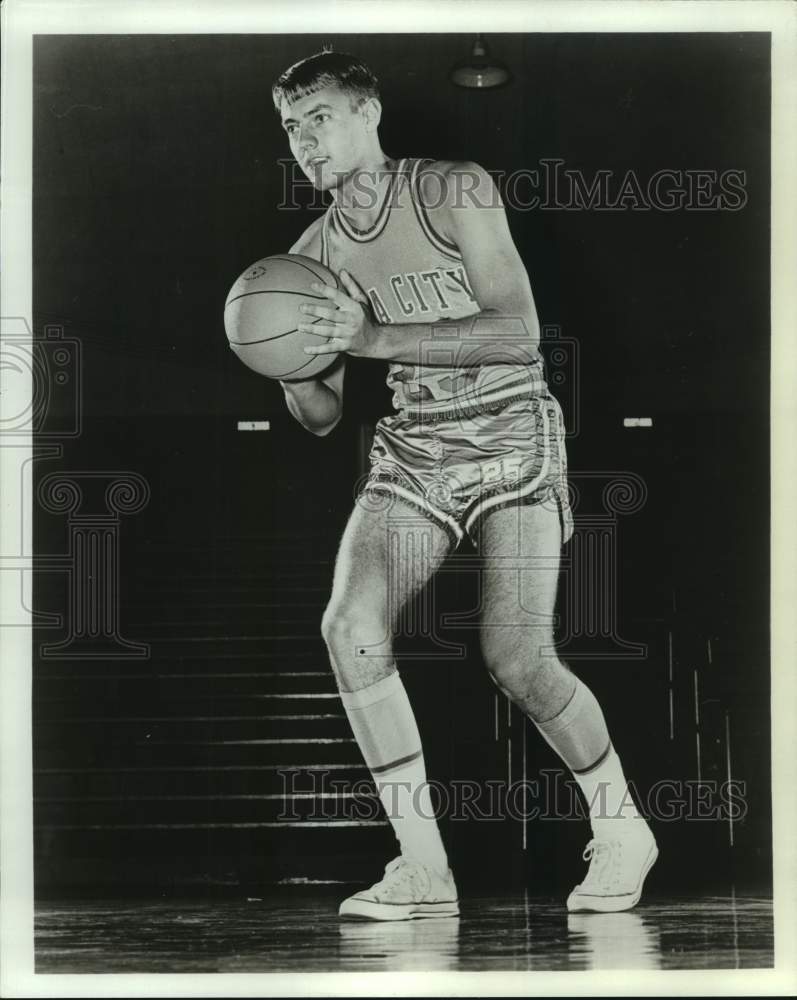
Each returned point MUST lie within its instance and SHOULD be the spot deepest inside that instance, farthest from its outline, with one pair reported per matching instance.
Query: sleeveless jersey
(411, 274)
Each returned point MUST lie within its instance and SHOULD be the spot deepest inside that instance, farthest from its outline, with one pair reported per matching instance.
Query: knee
(345, 627)
(513, 665)
(336, 624)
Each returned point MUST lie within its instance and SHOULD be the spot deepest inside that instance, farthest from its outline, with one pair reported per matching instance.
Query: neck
(362, 192)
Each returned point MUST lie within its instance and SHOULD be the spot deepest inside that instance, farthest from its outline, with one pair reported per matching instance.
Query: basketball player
(432, 283)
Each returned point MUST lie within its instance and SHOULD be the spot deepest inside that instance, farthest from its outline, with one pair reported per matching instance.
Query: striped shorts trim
(458, 471)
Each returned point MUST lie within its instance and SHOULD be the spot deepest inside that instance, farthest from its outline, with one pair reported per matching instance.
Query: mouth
(314, 162)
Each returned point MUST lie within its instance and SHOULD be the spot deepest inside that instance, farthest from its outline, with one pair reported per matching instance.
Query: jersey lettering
(458, 275)
(382, 315)
(406, 307)
(413, 280)
(434, 278)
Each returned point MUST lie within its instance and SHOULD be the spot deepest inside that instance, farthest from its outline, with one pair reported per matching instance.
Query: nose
(306, 138)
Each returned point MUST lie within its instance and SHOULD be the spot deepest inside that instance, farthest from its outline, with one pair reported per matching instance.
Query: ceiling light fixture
(480, 70)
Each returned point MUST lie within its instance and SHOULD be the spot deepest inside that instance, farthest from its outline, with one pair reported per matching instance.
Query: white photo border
(21, 20)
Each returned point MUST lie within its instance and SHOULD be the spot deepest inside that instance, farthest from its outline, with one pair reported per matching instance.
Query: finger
(328, 348)
(322, 329)
(353, 288)
(343, 301)
(325, 312)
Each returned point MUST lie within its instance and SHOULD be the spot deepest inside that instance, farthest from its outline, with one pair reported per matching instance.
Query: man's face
(326, 136)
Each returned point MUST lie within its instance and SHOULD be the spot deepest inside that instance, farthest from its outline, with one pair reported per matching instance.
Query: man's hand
(317, 403)
(346, 322)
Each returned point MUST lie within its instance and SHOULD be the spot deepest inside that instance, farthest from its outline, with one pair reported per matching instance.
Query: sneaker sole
(612, 904)
(363, 909)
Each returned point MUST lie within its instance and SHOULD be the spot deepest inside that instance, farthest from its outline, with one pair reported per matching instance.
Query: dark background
(156, 181)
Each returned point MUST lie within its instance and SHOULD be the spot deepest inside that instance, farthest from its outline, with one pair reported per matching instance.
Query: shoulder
(309, 243)
(457, 183)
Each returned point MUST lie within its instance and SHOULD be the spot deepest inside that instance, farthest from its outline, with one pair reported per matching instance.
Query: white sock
(578, 733)
(405, 795)
(384, 726)
(608, 797)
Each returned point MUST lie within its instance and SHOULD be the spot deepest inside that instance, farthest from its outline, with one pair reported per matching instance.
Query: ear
(372, 113)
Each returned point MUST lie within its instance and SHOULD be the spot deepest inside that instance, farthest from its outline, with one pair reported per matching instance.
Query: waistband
(422, 415)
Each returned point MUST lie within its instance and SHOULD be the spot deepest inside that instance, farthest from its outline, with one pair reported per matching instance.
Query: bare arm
(317, 403)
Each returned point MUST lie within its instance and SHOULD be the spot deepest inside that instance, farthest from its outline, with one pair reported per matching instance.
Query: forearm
(488, 337)
(316, 406)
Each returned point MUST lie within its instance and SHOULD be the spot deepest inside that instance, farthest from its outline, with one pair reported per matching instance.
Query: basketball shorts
(458, 470)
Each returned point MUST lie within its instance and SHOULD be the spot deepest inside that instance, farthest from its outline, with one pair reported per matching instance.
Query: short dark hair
(325, 69)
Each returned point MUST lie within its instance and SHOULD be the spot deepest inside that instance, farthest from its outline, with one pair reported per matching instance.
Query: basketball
(261, 316)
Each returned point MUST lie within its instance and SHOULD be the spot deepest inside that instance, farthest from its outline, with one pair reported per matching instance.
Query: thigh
(387, 554)
(521, 549)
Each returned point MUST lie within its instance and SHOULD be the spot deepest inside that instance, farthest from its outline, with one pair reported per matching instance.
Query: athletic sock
(580, 737)
(384, 726)
(606, 790)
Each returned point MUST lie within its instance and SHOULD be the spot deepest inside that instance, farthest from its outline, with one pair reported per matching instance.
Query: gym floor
(298, 930)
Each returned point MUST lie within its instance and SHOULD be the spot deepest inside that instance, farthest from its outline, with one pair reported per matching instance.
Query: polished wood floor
(298, 930)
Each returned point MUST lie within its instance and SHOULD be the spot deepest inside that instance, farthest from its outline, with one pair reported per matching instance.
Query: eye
(290, 129)
(321, 117)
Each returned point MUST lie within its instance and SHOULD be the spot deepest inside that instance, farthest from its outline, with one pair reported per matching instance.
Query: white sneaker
(617, 870)
(408, 890)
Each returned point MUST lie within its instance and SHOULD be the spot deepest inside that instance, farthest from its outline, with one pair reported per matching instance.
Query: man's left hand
(344, 323)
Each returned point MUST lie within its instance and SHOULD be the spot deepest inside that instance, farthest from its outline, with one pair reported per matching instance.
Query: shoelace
(602, 856)
(397, 871)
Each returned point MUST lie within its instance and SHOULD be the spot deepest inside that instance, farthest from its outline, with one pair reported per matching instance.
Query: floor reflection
(288, 932)
(613, 941)
(402, 945)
